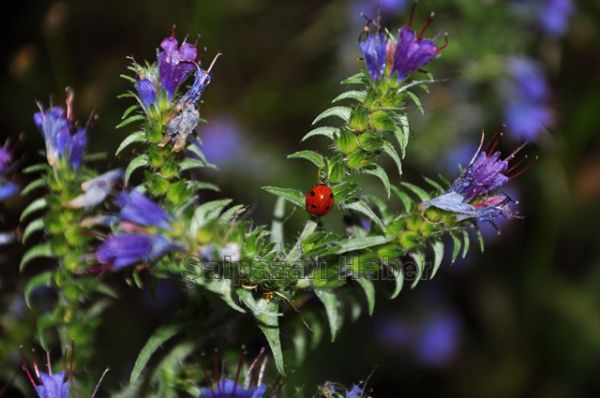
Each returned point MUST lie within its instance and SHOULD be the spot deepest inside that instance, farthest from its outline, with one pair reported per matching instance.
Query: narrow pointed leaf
(419, 259)
(41, 280)
(436, 185)
(404, 198)
(357, 78)
(380, 173)
(369, 290)
(136, 163)
(33, 227)
(38, 251)
(438, 256)
(326, 131)
(33, 186)
(398, 280)
(417, 101)
(130, 120)
(312, 156)
(456, 245)
(293, 196)
(34, 206)
(138, 136)
(35, 168)
(340, 112)
(362, 208)
(160, 336)
(389, 149)
(350, 245)
(357, 95)
(466, 243)
(332, 309)
(206, 213)
(421, 193)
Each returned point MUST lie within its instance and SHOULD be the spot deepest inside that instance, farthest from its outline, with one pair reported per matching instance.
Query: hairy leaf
(312, 156)
(293, 196)
(328, 132)
(138, 136)
(160, 336)
(332, 309)
(341, 112)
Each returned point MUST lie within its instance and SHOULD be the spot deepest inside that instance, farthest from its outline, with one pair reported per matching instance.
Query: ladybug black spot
(331, 196)
(313, 206)
(327, 208)
(312, 193)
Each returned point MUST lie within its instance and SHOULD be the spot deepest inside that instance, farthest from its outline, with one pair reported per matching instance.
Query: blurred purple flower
(146, 91)
(5, 159)
(96, 190)
(221, 142)
(56, 126)
(7, 190)
(554, 16)
(48, 385)
(139, 209)
(227, 388)
(438, 340)
(119, 251)
(175, 63)
(370, 8)
(526, 109)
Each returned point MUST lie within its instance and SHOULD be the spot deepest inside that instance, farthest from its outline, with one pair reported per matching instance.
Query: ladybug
(319, 200)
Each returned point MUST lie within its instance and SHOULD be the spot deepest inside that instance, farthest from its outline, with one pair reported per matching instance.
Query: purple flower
(553, 16)
(146, 91)
(53, 386)
(5, 159)
(7, 190)
(175, 63)
(471, 194)
(139, 209)
(221, 142)
(374, 49)
(227, 388)
(438, 340)
(526, 109)
(96, 189)
(354, 392)
(412, 52)
(126, 249)
(56, 126)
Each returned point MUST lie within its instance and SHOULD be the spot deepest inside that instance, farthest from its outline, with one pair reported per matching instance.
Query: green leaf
(33, 227)
(41, 280)
(35, 168)
(137, 162)
(160, 336)
(231, 214)
(380, 173)
(38, 251)
(192, 163)
(417, 101)
(128, 111)
(438, 256)
(130, 79)
(130, 120)
(419, 259)
(421, 194)
(328, 132)
(198, 185)
(267, 315)
(332, 309)
(105, 289)
(222, 287)
(455, 247)
(362, 208)
(34, 206)
(369, 290)
(402, 134)
(277, 224)
(480, 239)
(404, 198)
(206, 213)
(312, 156)
(138, 136)
(96, 156)
(350, 245)
(466, 243)
(344, 191)
(34, 185)
(358, 95)
(45, 322)
(399, 281)
(357, 78)
(296, 251)
(300, 342)
(436, 185)
(341, 112)
(293, 196)
(391, 152)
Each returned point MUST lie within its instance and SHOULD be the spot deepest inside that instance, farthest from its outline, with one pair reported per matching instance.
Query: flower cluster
(526, 109)
(144, 224)
(65, 142)
(410, 52)
(228, 388)
(329, 389)
(472, 195)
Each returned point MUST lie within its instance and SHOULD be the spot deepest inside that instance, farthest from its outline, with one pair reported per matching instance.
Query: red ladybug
(319, 200)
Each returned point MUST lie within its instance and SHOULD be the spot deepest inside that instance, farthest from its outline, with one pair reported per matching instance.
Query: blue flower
(553, 16)
(56, 126)
(5, 160)
(526, 109)
(471, 194)
(412, 52)
(126, 249)
(146, 91)
(7, 190)
(355, 392)
(438, 340)
(53, 386)
(227, 388)
(139, 209)
(175, 63)
(374, 49)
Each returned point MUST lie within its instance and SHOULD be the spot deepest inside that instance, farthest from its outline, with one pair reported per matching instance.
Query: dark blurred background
(522, 319)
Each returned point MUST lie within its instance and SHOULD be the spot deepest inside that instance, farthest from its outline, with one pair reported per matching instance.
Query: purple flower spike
(471, 194)
(53, 386)
(146, 91)
(138, 209)
(374, 49)
(227, 388)
(7, 190)
(175, 64)
(554, 16)
(122, 250)
(56, 126)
